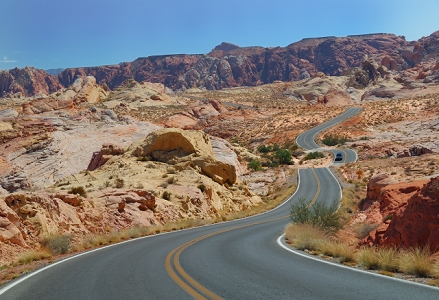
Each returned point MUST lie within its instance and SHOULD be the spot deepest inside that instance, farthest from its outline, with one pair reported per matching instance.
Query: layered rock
(229, 65)
(27, 82)
(410, 213)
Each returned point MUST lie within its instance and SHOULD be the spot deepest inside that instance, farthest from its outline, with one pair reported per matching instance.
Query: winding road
(242, 259)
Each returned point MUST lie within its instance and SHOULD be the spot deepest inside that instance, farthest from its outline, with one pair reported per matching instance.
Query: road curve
(306, 139)
(231, 260)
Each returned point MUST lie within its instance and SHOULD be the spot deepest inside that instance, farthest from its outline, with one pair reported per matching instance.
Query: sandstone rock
(101, 157)
(376, 184)
(39, 106)
(190, 147)
(8, 113)
(414, 207)
(175, 142)
(228, 65)
(27, 81)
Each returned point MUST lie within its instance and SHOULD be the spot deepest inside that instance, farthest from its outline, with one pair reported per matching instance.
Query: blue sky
(77, 33)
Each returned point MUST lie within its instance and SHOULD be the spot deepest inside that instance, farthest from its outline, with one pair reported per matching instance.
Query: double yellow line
(186, 282)
(317, 192)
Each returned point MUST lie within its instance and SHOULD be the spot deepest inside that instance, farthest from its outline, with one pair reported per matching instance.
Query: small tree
(283, 156)
(255, 165)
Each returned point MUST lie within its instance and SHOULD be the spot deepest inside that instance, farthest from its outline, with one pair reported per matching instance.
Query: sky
(49, 34)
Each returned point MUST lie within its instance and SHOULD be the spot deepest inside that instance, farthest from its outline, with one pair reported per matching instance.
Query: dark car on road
(338, 156)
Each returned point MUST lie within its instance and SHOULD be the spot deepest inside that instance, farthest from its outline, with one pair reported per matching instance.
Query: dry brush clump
(416, 261)
(32, 255)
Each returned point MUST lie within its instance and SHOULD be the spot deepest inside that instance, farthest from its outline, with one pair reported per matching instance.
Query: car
(338, 156)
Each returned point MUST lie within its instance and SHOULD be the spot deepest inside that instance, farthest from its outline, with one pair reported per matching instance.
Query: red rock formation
(28, 81)
(228, 65)
(410, 211)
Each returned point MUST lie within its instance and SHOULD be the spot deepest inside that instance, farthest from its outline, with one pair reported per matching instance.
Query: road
(243, 259)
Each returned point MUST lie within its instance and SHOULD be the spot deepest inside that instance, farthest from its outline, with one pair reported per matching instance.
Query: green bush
(78, 191)
(314, 155)
(283, 156)
(202, 187)
(166, 195)
(265, 149)
(255, 165)
(319, 215)
(333, 139)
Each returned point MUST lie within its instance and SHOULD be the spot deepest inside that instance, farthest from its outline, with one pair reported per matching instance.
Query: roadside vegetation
(314, 229)
(273, 156)
(333, 140)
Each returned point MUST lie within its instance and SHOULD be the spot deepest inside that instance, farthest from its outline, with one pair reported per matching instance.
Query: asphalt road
(243, 259)
(306, 139)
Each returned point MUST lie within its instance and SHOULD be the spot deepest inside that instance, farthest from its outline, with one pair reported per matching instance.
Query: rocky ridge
(229, 65)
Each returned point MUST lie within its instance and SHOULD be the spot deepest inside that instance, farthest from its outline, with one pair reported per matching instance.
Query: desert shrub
(314, 155)
(32, 255)
(416, 261)
(78, 191)
(319, 215)
(362, 230)
(255, 165)
(202, 187)
(276, 147)
(265, 149)
(120, 183)
(171, 180)
(57, 243)
(283, 156)
(170, 170)
(166, 195)
(368, 258)
(333, 139)
(387, 217)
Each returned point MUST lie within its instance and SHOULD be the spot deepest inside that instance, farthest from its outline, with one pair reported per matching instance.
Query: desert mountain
(229, 65)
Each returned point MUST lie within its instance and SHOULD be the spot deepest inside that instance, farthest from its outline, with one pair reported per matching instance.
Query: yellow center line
(317, 192)
(186, 282)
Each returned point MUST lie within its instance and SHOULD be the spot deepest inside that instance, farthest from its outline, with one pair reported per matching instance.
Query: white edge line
(279, 241)
(339, 185)
(13, 283)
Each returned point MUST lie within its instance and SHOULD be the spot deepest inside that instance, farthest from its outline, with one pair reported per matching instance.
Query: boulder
(107, 151)
(42, 105)
(185, 148)
(174, 142)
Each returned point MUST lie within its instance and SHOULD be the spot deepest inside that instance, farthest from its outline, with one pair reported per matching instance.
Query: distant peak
(226, 47)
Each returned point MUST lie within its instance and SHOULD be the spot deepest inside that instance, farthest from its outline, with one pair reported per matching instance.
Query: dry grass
(416, 261)
(342, 251)
(305, 236)
(32, 255)
(388, 259)
(368, 258)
